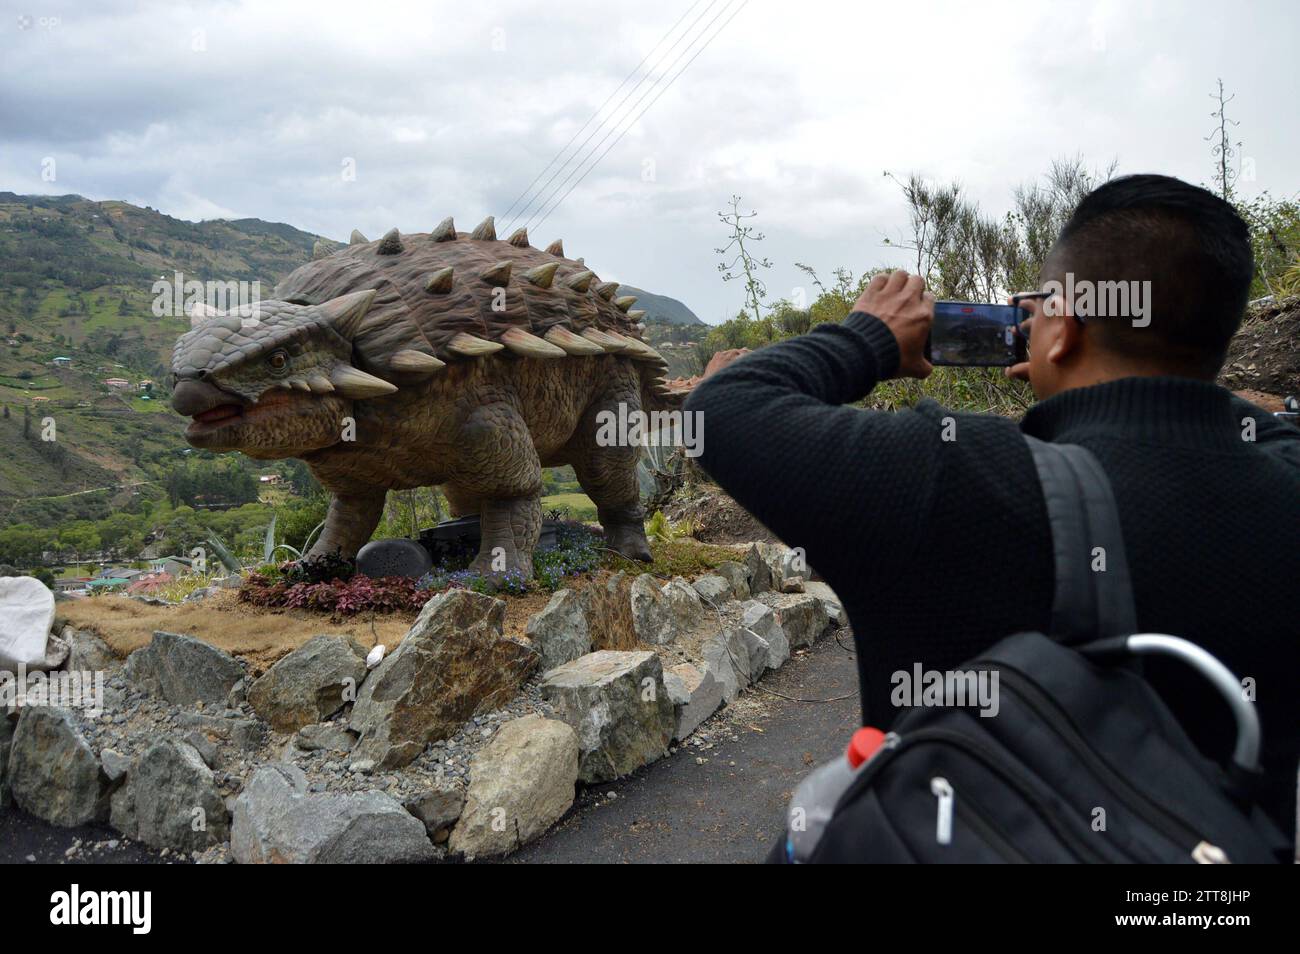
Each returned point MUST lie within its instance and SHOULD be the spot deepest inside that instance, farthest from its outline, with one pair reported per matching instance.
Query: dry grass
(609, 612)
(257, 635)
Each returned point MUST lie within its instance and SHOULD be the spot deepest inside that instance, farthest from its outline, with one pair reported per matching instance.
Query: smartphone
(973, 335)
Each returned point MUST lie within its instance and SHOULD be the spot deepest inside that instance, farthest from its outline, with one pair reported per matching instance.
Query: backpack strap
(1088, 604)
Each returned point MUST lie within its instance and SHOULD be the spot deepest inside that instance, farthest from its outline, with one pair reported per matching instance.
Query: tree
(1222, 149)
(743, 264)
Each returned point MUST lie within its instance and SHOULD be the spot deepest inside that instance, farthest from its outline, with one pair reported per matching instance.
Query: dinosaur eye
(277, 360)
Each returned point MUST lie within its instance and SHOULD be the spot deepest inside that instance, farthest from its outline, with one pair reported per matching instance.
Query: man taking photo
(930, 524)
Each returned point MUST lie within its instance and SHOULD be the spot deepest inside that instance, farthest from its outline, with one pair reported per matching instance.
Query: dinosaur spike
(571, 343)
(580, 260)
(354, 383)
(640, 351)
(498, 274)
(439, 282)
(298, 384)
(624, 303)
(391, 243)
(530, 346)
(605, 340)
(556, 248)
(445, 231)
(467, 346)
(519, 238)
(319, 384)
(580, 281)
(322, 249)
(606, 290)
(415, 362)
(486, 231)
(346, 311)
(357, 238)
(542, 275)
(636, 315)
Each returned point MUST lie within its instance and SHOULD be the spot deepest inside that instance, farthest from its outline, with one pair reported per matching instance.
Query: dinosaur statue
(448, 358)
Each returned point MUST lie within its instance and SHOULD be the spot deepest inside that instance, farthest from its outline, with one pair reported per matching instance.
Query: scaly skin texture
(446, 359)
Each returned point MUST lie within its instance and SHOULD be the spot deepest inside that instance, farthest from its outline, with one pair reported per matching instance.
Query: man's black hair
(1188, 242)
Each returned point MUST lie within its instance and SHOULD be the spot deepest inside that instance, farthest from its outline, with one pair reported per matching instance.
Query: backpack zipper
(1171, 826)
(991, 761)
(978, 821)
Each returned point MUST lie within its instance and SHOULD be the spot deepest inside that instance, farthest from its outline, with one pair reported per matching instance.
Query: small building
(71, 584)
(174, 566)
(270, 479)
(61, 362)
(117, 384)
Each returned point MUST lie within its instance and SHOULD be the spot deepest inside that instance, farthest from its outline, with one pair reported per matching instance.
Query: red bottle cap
(863, 745)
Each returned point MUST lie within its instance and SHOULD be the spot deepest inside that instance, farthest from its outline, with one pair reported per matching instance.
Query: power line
(615, 111)
(662, 90)
(635, 70)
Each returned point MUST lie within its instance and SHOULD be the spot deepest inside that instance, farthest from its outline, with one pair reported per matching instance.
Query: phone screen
(971, 334)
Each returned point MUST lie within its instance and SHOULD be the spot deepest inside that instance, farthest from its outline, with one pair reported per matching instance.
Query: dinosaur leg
(498, 467)
(351, 520)
(608, 475)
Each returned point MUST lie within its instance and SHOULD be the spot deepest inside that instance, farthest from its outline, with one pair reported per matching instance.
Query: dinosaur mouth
(224, 413)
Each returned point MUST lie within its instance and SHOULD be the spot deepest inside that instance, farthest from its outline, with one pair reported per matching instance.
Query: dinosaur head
(273, 379)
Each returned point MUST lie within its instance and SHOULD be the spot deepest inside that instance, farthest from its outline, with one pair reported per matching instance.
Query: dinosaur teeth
(498, 274)
(606, 290)
(440, 281)
(468, 346)
(556, 248)
(530, 346)
(580, 281)
(415, 361)
(391, 243)
(624, 303)
(542, 275)
(606, 341)
(445, 231)
(319, 384)
(357, 238)
(354, 383)
(486, 231)
(571, 343)
(519, 238)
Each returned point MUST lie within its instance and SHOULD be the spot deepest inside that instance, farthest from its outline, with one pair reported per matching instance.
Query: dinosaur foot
(627, 537)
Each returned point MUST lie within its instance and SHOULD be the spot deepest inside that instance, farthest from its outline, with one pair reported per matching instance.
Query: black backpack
(1083, 762)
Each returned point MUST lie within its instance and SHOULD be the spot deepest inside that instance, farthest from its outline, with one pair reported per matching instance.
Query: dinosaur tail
(657, 392)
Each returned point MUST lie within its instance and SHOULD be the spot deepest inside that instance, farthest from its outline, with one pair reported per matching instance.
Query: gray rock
(310, 684)
(520, 784)
(52, 771)
(177, 804)
(206, 748)
(760, 574)
(619, 707)
(737, 577)
(6, 740)
(802, 617)
(830, 602)
(662, 614)
(246, 735)
(761, 620)
(699, 696)
(727, 658)
(276, 820)
(326, 736)
(114, 764)
(437, 809)
(183, 670)
(560, 632)
(455, 662)
(122, 810)
(56, 652)
(713, 589)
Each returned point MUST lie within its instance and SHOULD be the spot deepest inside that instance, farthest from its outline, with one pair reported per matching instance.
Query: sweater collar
(1167, 411)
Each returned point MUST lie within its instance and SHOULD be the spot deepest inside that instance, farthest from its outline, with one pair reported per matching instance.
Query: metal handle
(1246, 753)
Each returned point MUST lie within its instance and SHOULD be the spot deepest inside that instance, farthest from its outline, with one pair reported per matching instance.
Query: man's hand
(1020, 372)
(907, 309)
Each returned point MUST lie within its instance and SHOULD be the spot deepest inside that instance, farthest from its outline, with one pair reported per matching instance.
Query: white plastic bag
(26, 615)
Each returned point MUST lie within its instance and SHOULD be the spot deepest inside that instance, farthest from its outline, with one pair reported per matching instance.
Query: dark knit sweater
(940, 548)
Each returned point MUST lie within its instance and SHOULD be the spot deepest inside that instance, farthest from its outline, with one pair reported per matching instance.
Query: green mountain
(661, 308)
(78, 284)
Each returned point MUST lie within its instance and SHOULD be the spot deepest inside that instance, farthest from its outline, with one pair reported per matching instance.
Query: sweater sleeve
(842, 483)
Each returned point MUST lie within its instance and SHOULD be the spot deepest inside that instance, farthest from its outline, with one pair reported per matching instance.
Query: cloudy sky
(334, 116)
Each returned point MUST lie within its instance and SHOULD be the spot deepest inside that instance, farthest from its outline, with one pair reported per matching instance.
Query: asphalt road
(721, 799)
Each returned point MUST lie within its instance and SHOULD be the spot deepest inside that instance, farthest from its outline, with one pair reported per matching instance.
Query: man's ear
(1068, 341)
